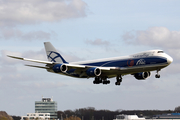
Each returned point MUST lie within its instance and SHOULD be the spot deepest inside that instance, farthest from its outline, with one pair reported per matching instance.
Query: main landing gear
(157, 75)
(104, 80)
(99, 80)
(118, 80)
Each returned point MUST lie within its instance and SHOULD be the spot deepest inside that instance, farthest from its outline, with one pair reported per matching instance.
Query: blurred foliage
(72, 118)
(3, 118)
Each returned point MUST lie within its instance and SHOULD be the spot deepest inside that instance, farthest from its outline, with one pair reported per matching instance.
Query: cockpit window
(160, 52)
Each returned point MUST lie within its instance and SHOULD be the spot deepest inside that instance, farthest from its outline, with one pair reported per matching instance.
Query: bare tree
(177, 109)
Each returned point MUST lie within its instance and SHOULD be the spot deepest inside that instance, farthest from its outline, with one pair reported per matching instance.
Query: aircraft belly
(76, 75)
(132, 70)
(114, 72)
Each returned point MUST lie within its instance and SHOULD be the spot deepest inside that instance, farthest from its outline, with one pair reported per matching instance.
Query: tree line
(90, 113)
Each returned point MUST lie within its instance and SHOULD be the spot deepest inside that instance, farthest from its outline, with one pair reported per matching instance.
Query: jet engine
(59, 68)
(93, 72)
(142, 75)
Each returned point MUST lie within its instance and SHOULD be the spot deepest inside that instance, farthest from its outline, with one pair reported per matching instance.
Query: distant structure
(128, 117)
(38, 116)
(47, 105)
(168, 116)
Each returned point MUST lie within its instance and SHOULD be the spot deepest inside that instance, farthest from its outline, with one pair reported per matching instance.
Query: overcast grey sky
(85, 30)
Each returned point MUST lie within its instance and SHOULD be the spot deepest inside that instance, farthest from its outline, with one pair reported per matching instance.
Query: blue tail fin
(52, 53)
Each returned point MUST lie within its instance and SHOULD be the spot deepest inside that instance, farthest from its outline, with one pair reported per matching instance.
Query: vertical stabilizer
(52, 53)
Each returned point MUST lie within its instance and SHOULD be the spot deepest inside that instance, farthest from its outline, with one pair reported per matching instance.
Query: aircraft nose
(169, 60)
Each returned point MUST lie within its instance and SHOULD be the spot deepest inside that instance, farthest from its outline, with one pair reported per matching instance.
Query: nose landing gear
(157, 75)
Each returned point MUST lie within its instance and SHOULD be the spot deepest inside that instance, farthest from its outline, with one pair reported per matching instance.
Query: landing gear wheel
(118, 80)
(106, 82)
(157, 76)
(117, 83)
(97, 80)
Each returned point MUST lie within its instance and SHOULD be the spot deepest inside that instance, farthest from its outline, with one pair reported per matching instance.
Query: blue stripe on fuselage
(130, 62)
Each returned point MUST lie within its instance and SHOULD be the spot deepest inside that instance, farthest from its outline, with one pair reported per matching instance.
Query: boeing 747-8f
(139, 65)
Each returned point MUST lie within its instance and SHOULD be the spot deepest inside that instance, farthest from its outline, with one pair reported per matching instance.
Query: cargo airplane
(139, 65)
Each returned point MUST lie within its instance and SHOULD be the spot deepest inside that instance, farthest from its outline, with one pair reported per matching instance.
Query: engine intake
(93, 72)
(142, 75)
(59, 68)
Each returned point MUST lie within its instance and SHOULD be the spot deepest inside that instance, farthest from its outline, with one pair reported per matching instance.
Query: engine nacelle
(142, 75)
(93, 72)
(59, 68)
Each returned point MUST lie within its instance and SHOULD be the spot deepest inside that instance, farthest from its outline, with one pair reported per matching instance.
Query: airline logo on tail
(55, 57)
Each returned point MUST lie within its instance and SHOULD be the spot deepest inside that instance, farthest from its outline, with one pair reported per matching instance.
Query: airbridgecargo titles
(139, 65)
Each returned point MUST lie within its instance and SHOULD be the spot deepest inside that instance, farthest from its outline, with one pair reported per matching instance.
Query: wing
(75, 66)
(31, 60)
(80, 70)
